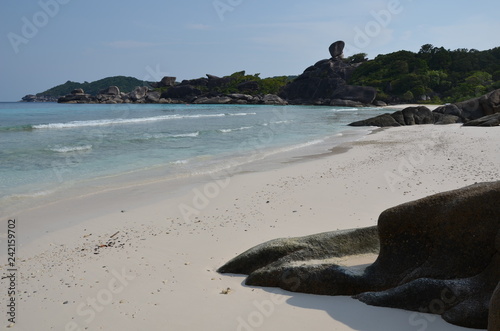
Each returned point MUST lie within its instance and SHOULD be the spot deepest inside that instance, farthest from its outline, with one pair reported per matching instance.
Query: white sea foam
(179, 162)
(240, 114)
(70, 149)
(37, 194)
(186, 135)
(340, 110)
(277, 122)
(119, 121)
(303, 145)
(148, 136)
(238, 129)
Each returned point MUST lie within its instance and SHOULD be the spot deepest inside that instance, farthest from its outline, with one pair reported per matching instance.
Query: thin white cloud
(131, 44)
(199, 27)
(466, 34)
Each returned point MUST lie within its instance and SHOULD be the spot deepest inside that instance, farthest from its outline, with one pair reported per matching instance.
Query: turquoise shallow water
(45, 148)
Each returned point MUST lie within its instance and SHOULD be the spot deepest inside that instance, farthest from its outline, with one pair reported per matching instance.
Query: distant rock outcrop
(38, 98)
(183, 92)
(77, 96)
(188, 91)
(166, 81)
(326, 81)
(439, 255)
(482, 111)
(112, 90)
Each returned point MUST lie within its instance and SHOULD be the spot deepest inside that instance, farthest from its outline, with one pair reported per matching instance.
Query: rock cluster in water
(181, 93)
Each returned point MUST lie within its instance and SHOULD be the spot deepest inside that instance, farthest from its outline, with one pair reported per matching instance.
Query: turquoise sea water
(47, 147)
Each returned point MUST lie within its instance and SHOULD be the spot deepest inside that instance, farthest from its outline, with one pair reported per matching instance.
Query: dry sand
(160, 273)
(403, 106)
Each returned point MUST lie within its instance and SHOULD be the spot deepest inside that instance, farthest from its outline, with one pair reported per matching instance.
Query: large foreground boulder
(494, 318)
(440, 255)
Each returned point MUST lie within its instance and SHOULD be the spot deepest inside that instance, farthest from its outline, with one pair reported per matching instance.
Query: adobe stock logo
(381, 19)
(31, 27)
(224, 6)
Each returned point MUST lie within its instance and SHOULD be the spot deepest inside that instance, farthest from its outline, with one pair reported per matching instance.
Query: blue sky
(44, 43)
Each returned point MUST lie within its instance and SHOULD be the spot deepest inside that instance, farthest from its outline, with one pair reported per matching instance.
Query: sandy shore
(155, 267)
(403, 106)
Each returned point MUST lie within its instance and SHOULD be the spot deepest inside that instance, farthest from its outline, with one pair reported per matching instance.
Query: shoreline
(167, 261)
(183, 176)
(403, 106)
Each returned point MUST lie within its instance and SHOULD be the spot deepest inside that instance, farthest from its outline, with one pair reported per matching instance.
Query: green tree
(479, 78)
(434, 71)
(357, 58)
(408, 96)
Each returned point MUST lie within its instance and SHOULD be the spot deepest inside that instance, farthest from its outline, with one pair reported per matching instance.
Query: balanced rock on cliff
(337, 49)
(327, 80)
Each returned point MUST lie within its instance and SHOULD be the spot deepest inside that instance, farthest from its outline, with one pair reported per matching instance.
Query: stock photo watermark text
(32, 25)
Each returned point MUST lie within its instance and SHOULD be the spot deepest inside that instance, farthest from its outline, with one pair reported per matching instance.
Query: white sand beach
(140, 258)
(403, 106)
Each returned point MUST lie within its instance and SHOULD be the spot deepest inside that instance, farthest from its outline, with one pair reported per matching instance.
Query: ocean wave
(278, 122)
(180, 162)
(186, 135)
(340, 110)
(70, 149)
(303, 145)
(37, 194)
(239, 114)
(17, 128)
(119, 121)
(148, 136)
(238, 129)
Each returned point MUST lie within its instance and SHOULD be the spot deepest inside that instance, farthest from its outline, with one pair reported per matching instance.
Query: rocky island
(397, 78)
(324, 83)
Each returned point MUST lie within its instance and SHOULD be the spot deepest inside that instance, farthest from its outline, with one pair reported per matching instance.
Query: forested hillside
(433, 74)
(125, 84)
